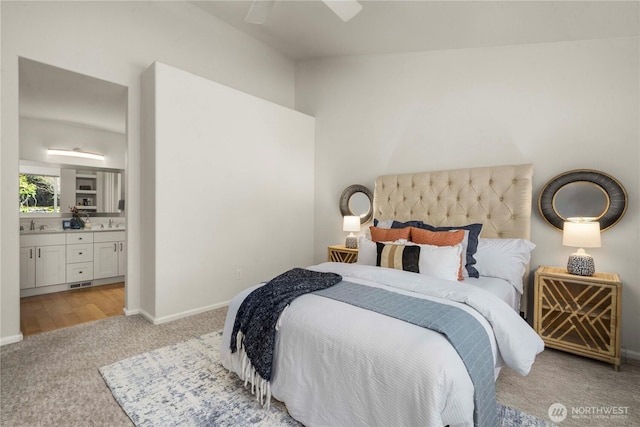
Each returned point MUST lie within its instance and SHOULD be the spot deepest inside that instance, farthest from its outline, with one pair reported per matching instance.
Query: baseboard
(11, 340)
(130, 312)
(631, 357)
(149, 318)
(172, 317)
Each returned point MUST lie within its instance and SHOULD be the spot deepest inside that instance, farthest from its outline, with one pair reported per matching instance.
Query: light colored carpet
(185, 385)
(52, 379)
(578, 383)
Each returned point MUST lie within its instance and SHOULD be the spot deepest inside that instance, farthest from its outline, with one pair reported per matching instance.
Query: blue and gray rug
(185, 385)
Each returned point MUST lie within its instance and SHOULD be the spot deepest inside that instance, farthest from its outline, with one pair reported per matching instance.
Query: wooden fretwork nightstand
(340, 253)
(579, 314)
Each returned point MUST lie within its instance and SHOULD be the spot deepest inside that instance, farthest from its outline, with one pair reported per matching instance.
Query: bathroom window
(39, 193)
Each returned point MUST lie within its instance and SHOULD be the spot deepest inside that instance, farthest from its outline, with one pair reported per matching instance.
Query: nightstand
(340, 253)
(579, 314)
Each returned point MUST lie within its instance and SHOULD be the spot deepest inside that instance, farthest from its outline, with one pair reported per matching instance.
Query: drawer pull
(79, 272)
(79, 253)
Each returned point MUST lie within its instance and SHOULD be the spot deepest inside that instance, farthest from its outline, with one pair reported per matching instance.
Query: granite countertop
(81, 230)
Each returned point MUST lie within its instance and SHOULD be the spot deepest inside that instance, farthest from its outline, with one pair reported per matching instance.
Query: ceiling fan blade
(259, 12)
(345, 9)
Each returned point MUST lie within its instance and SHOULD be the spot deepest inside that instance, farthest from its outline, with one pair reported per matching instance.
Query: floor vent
(79, 285)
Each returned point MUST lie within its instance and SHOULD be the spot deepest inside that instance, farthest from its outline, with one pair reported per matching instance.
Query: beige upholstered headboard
(498, 197)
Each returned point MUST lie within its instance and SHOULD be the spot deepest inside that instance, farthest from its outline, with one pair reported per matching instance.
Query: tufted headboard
(499, 197)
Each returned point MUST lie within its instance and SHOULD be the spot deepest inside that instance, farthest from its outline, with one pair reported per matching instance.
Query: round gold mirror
(357, 200)
(583, 193)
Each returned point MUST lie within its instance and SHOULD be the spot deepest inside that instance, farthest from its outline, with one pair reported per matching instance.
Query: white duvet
(339, 365)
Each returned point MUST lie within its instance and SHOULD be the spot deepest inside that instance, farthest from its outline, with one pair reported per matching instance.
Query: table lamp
(351, 223)
(581, 234)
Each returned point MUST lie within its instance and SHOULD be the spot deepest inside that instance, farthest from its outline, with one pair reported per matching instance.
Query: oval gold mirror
(357, 200)
(583, 193)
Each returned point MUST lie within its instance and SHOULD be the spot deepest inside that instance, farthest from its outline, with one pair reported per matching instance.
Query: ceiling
(307, 29)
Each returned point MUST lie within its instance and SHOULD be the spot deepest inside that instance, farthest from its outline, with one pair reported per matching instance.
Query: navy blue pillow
(472, 244)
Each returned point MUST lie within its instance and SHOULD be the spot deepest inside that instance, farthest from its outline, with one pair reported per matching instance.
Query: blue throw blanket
(463, 331)
(259, 312)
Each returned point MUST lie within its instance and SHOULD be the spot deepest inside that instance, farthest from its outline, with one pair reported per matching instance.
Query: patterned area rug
(185, 385)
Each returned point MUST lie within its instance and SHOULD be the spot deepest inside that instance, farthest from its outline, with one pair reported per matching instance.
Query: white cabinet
(70, 259)
(109, 254)
(50, 265)
(42, 260)
(27, 267)
(79, 257)
(122, 258)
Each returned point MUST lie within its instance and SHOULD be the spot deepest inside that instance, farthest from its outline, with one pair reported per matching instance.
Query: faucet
(110, 223)
(33, 225)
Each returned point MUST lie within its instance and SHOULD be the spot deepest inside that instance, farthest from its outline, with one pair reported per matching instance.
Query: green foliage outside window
(39, 193)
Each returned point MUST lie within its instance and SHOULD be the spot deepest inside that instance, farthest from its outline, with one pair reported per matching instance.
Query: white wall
(560, 106)
(117, 41)
(233, 190)
(36, 135)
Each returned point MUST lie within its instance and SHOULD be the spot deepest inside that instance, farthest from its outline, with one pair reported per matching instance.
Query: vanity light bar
(75, 153)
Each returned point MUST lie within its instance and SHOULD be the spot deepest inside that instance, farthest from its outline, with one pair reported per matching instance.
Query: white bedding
(498, 287)
(336, 364)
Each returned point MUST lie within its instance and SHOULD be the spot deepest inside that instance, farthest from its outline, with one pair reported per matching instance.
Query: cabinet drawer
(79, 272)
(109, 236)
(73, 238)
(42, 240)
(80, 253)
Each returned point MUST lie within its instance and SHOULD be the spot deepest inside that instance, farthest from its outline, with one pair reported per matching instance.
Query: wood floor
(44, 313)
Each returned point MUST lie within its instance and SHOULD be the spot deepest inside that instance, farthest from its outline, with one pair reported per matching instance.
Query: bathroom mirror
(46, 190)
(583, 193)
(357, 200)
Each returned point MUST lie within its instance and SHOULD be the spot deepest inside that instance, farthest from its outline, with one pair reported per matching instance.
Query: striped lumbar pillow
(400, 257)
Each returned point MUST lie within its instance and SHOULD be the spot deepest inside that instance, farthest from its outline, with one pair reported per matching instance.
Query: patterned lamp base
(581, 264)
(351, 242)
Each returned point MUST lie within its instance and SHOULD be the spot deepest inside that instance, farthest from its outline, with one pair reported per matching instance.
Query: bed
(336, 363)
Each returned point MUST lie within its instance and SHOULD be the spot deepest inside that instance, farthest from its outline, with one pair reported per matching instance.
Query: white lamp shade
(581, 234)
(351, 223)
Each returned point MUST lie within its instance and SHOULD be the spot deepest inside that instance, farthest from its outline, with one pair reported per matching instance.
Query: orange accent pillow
(438, 238)
(389, 234)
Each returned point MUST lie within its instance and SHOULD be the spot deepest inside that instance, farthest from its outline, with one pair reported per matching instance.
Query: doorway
(65, 116)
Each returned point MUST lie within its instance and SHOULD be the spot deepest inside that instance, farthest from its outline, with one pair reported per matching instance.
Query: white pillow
(387, 223)
(442, 262)
(504, 258)
(368, 251)
(380, 224)
(437, 261)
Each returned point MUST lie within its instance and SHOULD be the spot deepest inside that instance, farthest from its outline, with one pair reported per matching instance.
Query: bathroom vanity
(59, 260)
